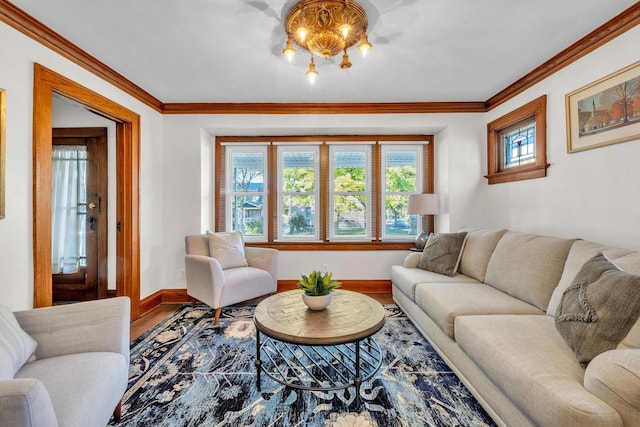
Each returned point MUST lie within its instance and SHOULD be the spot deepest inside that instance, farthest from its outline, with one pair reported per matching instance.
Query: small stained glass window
(519, 145)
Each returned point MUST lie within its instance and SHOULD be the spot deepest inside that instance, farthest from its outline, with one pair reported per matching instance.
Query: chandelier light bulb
(289, 51)
(345, 30)
(312, 74)
(365, 46)
(302, 33)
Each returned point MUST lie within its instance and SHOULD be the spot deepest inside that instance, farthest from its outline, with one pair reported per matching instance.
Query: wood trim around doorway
(46, 83)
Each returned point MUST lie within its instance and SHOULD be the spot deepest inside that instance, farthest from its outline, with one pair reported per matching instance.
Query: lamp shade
(423, 204)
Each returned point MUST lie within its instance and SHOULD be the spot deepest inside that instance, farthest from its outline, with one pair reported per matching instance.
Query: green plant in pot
(317, 289)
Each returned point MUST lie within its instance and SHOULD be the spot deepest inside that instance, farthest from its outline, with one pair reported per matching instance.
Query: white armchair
(209, 283)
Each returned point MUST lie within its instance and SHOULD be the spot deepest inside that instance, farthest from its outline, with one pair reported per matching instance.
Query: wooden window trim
(537, 110)
(325, 244)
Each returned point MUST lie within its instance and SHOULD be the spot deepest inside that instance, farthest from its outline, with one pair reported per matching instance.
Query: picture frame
(604, 112)
(3, 123)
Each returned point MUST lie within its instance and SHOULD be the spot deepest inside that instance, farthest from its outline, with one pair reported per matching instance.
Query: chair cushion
(442, 252)
(241, 284)
(227, 249)
(598, 310)
(16, 346)
(84, 388)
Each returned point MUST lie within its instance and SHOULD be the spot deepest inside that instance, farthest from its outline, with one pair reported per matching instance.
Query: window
(298, 190)
(246, 191)
(401, 174)
(322, 192)
(350, 192)
(516, 144)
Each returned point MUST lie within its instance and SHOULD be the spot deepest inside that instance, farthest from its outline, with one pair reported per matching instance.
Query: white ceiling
(230, 50)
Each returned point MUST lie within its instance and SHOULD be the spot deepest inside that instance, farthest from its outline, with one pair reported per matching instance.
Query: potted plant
(317, 289)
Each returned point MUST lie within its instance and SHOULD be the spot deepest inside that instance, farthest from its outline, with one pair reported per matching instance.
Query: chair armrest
(412, 260)
(614, 377)
(101, 325)
(265, 259)
(25, 402)
(205, 279)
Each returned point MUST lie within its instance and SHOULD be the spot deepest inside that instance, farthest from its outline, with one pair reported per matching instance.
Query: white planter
(316, 302)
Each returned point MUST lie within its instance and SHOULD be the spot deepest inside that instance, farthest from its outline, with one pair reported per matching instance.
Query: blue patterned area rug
(187, 372)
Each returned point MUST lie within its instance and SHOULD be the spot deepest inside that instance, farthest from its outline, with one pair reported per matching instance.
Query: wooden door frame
(46, 83)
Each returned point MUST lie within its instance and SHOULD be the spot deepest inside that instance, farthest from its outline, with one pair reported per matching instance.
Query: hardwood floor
(155, 316)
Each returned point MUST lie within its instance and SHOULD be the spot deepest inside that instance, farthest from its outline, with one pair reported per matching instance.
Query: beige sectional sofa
(493, 323)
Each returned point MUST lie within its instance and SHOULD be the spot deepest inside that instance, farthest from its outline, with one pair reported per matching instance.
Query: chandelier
(326, 28)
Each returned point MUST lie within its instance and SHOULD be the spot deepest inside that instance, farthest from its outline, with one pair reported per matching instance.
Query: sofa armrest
(205, 279)
(614, 377)
(412, 260)
(25, 402)
(265, 259)
(91, 326)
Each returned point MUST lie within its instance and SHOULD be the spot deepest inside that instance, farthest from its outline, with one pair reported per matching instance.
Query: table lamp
(422, 204)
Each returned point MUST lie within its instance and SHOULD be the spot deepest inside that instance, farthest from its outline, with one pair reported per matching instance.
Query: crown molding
(325, 108)
(31, 27)
(611, 29)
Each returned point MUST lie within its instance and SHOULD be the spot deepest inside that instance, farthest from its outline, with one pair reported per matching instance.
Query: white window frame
(343, 147)
(385, 148)
(230, 193)
(305, 148)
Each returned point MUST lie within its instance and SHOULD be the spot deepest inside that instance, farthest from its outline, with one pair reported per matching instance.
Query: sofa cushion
(73, 382)
(227, 249)
(478, 247)
(442, 253)
(16, 346)
(525, 356)
(528, 266)
(598, 310)
(406, 279)
(443, 302)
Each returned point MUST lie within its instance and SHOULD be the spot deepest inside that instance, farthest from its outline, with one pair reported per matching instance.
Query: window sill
(335, 246)
(518, 174)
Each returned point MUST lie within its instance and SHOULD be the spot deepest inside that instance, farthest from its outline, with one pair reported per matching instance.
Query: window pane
(298, 171)
(519, 146)
(298, 216)
(247, 215)
(397, 221)
(349, 171)
(400, 172)
(349, 216)
(247, 171)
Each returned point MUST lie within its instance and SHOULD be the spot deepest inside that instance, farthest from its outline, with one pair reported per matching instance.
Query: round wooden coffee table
(322, 350)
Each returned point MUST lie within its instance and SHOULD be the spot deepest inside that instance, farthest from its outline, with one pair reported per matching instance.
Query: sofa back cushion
(477, 251)
(528, 266)
(581, 252)
(16, 346)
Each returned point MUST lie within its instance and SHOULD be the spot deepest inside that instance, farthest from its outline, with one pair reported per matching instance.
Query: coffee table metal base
(316, 367)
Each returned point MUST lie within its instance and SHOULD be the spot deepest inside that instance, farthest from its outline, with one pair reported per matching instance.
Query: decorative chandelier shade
(326, 28)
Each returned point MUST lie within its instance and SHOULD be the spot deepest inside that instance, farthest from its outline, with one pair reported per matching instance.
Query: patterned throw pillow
(442, 253)
(227, 249)
(16, 346)
(598, 309)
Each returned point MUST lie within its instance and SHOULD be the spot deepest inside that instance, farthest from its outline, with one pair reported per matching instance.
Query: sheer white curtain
(69, 208)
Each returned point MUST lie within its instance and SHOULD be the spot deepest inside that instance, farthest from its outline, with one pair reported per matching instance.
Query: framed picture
(604, 112)
(3, 122)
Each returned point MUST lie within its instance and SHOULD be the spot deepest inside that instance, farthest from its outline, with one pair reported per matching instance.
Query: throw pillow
(227, 249)
(16, 346)
(442, 252)
(598, 309)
